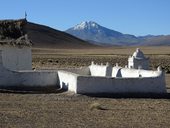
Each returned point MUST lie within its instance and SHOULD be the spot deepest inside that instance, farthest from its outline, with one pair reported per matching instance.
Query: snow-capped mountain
(93, 32)
(97, 34)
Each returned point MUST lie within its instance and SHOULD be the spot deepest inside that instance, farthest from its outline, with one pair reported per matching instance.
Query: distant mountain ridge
(97, 34)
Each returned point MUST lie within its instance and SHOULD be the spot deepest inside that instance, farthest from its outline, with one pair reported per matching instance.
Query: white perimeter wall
(134, 73)
(39, 78)
(103, 70)
(28, 78)
(120, 85)
(15, 58)
(82, 84)
(95, 84)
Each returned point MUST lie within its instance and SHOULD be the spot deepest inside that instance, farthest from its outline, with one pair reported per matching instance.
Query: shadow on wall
(109, 71)
(119, 74)
(65, 86)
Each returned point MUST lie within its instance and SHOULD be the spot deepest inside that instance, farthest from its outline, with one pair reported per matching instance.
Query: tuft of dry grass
(97, 106)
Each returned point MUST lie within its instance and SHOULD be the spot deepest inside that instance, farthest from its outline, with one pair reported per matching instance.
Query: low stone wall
(28, 78)
(134, 73)
(95, 84)
(39, 78)
(8, 78)
(86, 84)
(82, 83)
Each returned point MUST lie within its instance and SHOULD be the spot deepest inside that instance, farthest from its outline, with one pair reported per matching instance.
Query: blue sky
(138, 17)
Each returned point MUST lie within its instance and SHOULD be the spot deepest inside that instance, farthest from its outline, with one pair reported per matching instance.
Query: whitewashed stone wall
(120, 85)
(134, 73)
(40, 78)
(28, 78)
(128, 81)
(15, 58)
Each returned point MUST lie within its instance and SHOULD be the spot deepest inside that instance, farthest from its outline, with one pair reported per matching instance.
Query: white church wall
(130, 62)
(144, 64)
(138, 60)
(15, 58)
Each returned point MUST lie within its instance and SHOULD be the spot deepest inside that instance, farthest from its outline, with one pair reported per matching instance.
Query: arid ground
(67, 110)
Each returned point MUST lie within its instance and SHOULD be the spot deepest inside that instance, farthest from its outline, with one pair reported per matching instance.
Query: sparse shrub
(96, 106)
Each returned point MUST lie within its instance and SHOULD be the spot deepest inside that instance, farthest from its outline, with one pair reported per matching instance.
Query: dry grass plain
(66, 110)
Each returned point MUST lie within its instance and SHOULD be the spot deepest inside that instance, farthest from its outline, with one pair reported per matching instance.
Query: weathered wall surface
(120, 85)
(28, 78)
(8, 78)
(14, 58)
(39, 78)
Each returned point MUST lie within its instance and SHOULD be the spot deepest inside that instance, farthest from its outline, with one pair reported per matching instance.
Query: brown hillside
(46, 37)
(158, 41)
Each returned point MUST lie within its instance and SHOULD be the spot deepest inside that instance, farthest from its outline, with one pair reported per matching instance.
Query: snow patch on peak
(86, 25)
(82, 25)
(93, 24)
